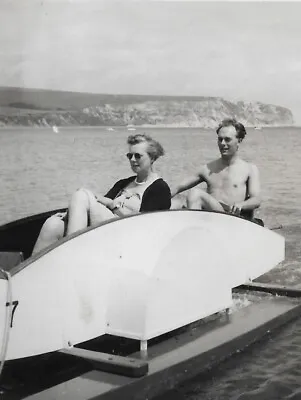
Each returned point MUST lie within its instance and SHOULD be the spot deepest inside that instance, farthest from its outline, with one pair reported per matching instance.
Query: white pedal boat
(137, 277)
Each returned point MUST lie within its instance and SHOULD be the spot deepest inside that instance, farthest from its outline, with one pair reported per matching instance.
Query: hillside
(26, 107)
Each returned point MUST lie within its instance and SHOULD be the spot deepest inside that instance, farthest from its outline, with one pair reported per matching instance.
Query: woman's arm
(106, 201)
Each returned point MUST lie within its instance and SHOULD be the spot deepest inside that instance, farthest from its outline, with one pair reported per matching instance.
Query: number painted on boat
(15, 305)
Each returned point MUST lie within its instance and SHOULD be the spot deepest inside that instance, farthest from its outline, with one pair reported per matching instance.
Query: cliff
(46, 108)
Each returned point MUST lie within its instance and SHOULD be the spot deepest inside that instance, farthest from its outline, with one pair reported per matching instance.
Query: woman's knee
(83, 196)
(52, 230)
(53, 227)
(196, 198)
(80, 193)
(195, 194)
(178, 203)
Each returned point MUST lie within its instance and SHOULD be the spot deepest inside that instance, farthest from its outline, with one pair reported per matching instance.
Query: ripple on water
(269, 370)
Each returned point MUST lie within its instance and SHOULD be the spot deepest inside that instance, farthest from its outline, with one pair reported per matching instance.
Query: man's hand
(236, 209)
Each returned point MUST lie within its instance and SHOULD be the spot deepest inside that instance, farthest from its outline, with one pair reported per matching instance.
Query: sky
(236, 50)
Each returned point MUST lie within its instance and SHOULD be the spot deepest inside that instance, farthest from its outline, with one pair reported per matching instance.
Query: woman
(145, 191)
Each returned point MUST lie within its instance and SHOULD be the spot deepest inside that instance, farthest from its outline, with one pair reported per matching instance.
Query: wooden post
(143, 348)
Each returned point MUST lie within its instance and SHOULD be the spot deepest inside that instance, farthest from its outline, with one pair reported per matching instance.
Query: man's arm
(188, 183)
(253, 191)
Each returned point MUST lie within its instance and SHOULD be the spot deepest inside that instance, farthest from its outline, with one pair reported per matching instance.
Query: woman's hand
(105, 201)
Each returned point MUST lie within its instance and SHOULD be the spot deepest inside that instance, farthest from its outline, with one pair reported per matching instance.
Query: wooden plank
(271, 288)
(126, 366)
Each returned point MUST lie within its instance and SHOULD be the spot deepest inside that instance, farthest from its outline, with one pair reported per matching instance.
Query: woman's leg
(52, 230)
(200, 200)
(178, 203)
(84, 206)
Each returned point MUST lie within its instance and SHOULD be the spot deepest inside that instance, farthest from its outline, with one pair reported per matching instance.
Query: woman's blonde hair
(154, 148)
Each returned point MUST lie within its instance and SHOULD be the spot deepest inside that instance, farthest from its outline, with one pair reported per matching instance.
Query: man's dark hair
(240, 129)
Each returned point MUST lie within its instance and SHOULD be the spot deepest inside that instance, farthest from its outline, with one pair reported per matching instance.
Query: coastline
(136, 127)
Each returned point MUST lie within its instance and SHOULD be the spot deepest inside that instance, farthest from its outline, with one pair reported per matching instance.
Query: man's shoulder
(212, 165)
(249, 165)
(248, 169)
(205, 170)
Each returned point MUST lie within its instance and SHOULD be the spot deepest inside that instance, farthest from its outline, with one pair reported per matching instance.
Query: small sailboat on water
(131, 127)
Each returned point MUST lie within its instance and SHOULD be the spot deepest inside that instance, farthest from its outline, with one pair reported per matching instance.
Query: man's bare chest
(227, 178)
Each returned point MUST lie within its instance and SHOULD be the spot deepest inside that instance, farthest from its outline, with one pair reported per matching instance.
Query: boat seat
(249, 215)
(9, 259)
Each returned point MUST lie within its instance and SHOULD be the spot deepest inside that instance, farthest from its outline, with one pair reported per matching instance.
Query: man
(233, 184)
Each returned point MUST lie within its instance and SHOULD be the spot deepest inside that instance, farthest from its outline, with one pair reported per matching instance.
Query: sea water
(40, 168)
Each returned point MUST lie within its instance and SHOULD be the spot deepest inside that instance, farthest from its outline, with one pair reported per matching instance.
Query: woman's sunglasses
(137, 156)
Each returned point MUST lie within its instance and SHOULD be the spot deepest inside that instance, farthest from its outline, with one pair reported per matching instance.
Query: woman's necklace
(150, 178)
(140, 183)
